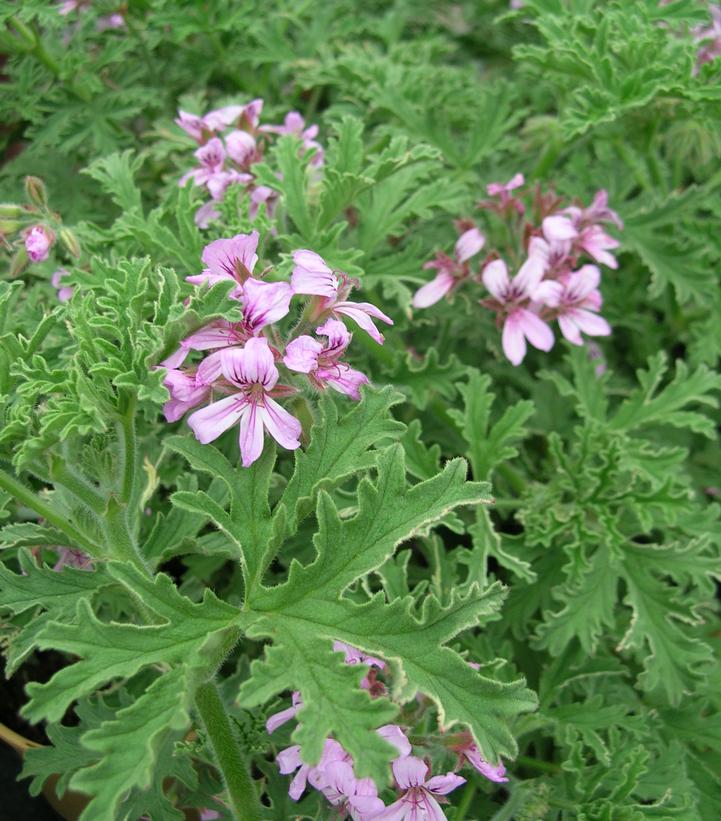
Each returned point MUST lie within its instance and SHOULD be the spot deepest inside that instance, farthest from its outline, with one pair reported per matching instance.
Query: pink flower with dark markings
(251, 370)
(511, 300)
(465, 747)
(451, 271)
(311, 275)
(38, 241)
(263, 304)
(421, 796)
(322, 362)
(229, 259)
(576, 301)
(211, 157)
(242, 148)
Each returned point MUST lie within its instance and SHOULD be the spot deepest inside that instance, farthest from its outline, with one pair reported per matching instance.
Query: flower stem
(229, 758)
(465, 802)
(128, 443)
(34, 502)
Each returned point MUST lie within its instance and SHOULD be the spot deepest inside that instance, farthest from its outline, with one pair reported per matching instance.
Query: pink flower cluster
(231, 140)
(244, 357)
(549, 284)
(418, 796)
(38, 242)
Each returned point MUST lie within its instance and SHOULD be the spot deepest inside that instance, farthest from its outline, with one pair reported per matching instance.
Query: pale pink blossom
(242, 148)
(263, 304)
(590, 235)
(38, 241)
(393, 734)
(206, 214)
(322, 362)
(72, 557)
(466, 748)
(252, 371)
(511, 299)
(451, 271)
(311, 275)
(211, 157)
(421, 796)
(354, 656)
(576, 301)
(64, 291)
(185, 393)
(262, 195)
(203, 128)
(289, 761)
(229, 259)
(282, 717)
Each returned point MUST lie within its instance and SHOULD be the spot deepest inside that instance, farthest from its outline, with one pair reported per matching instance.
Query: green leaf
(128, 745)
(109, 651)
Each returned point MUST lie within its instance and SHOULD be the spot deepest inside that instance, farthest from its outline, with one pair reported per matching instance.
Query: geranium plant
(359, 403)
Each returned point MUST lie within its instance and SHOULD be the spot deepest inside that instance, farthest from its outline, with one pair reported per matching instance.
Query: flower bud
(19, 262)
(70, 241)
(36, 191)
(9, 226)
(38, 241)
(9, 209)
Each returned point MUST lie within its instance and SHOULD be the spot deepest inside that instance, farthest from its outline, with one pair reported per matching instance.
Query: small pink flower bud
(38, 241)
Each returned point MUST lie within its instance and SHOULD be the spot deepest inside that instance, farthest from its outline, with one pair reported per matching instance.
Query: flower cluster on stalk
(553, 280)
(231, 141)
(244, 360)
(418, 796)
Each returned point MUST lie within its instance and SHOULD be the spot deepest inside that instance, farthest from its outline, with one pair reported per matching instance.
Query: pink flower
(289, 761)
(311, 275)
(576, 300)
(589, 235)
(72, 557)
(282, 717)
(511, 298)
(211, 157)
(64, 291)
(451, 272)
(322, 362)
(395, 736)
(229, 259)
(185, 393)
(206, 214)
(252, 370)
(242, 148)
(419, 801)
(295, 124)
(110, 21)
(464, 745)
(202, 128)
(38, 241)
(354, 656)
(262, 195)
(503, 192)
(263, 304)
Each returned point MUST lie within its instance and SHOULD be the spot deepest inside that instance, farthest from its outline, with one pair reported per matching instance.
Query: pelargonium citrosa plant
(358, 370)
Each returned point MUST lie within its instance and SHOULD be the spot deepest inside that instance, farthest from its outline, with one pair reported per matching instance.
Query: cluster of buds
(418, 796)
(231, 141)
(550, 285)
(243, 358)
(33, 229)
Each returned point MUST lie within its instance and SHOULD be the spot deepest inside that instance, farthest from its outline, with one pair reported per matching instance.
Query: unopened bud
(36, 191)
(19, 262)
(9, 209)
(38, 241)
(70, 241)
(9, 226)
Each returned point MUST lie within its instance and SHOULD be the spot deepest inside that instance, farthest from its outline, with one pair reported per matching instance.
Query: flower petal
(280, 424)
(495, 278)
(590, 323)
(311, 275)
(558, 228)
(409, 771)
(250, 438)
(302, 354)
(513, 340)
(535, 330)
(265, 302)
(208, 423)
(469, 244)
(395, 736)
(433, 291)
(443, 784)
(361, 312)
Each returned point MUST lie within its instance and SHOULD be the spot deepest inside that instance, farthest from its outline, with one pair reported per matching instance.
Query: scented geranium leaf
(587, 387)
(116, 173)
(108, 651)
(677, 662)
(339, 447)
(588, 607)
(389, 512)
(128, 744)
(247, 524)
(52, 595)
(422, 461)
(487, 541)
(652, 404)
(420, 379)
(24, 534)
(489, 444)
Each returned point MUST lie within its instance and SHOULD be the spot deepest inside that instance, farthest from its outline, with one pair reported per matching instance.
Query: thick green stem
(120, 540)
(229, 758)
(34, 502)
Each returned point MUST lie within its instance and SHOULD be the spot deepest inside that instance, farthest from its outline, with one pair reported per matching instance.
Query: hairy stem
(228, 755)
(121, 543)
(128, 443)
